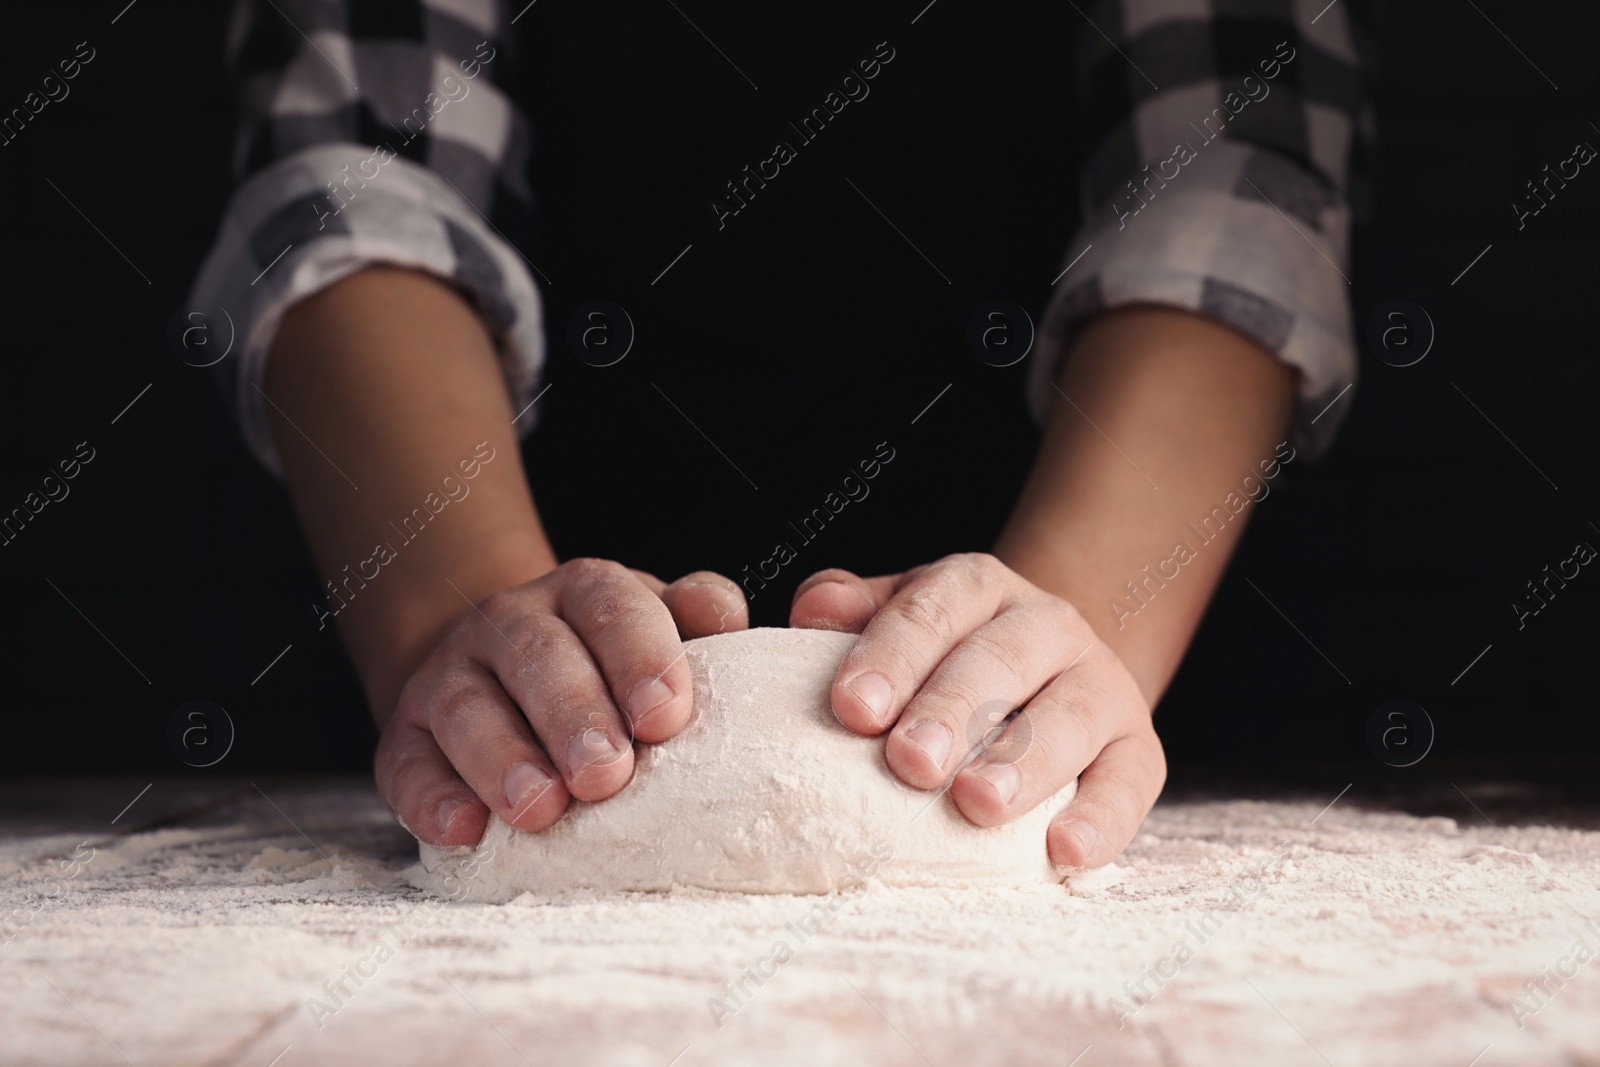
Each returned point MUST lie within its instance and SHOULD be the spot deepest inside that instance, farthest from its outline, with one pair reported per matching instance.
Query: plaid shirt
(1217, 137)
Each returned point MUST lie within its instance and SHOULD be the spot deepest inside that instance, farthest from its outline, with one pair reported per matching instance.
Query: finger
(424, 791)
(1050, 741)
(630, 634)
(992, 672)
(705, 603)
(487, 740)
(931, 612)
(545, 668)
(1115, 793)
(835, 599)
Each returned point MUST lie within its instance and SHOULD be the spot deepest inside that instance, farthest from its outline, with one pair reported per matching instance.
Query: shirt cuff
(285, 236)
(1236, 233)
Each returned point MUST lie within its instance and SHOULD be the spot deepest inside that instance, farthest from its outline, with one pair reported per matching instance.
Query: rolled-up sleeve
(1216, 142)
(370, 133)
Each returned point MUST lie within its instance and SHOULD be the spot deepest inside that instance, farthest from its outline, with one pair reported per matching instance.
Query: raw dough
(763, 792)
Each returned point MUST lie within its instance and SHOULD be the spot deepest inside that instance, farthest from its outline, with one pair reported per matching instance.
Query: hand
(537, 693)
(947, 651)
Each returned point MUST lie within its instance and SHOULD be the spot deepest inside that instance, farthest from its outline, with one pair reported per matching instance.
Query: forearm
(392, 376)
(1168, 413)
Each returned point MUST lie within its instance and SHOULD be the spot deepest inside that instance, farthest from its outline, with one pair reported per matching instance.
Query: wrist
(390, 637)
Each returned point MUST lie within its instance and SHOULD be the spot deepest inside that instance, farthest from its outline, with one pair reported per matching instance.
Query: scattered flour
(1396, 941)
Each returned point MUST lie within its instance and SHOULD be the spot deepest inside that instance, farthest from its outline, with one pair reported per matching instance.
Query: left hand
(948, 650)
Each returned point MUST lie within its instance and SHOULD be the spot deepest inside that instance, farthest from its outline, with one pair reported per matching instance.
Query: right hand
(537, 693)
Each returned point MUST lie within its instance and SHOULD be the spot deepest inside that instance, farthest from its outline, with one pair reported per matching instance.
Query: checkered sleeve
(1216, 145)
(370, 131)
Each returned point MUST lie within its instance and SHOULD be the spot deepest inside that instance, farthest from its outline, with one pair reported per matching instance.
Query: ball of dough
(763, 792)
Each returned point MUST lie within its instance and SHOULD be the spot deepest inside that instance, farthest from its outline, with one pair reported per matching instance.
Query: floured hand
(537, 694)
(947, 651)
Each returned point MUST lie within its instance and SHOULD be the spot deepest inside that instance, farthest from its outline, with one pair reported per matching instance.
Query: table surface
(212, 921)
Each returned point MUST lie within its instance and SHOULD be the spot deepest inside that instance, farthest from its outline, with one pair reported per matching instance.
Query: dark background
(798, 338)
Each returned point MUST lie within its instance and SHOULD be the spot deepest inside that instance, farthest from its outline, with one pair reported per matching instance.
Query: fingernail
(450, 810)
(704, 583)
(1084, 833)
(875, 692)
(592, 748)
(1003, 777)
(934, 738)
(647, 698)
(524, 784)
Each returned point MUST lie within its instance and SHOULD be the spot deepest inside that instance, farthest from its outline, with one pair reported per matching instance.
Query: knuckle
(411, 706)
(586, 569)
(978, 562)
(500, 604)
(958, 699)
(533, 639)
(1123, 805)
(996, 659)
(922, 610)
(613, 607)
(1055, 749)
(425, 794)
(973, 568)
(405, 781)
(1063, 615)
(454, 703)
(570, 712)
(1068, 728)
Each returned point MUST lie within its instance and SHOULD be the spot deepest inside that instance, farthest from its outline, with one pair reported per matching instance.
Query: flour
(764, 792)
(1383, 938)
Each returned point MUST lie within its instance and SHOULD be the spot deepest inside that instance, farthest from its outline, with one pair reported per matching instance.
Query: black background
(797, 338)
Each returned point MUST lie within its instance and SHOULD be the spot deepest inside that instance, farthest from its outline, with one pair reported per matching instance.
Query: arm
(949, 649)
(393, 377)
(501, 681)
(1193, 405)
(1207, 303)
(492, 671)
